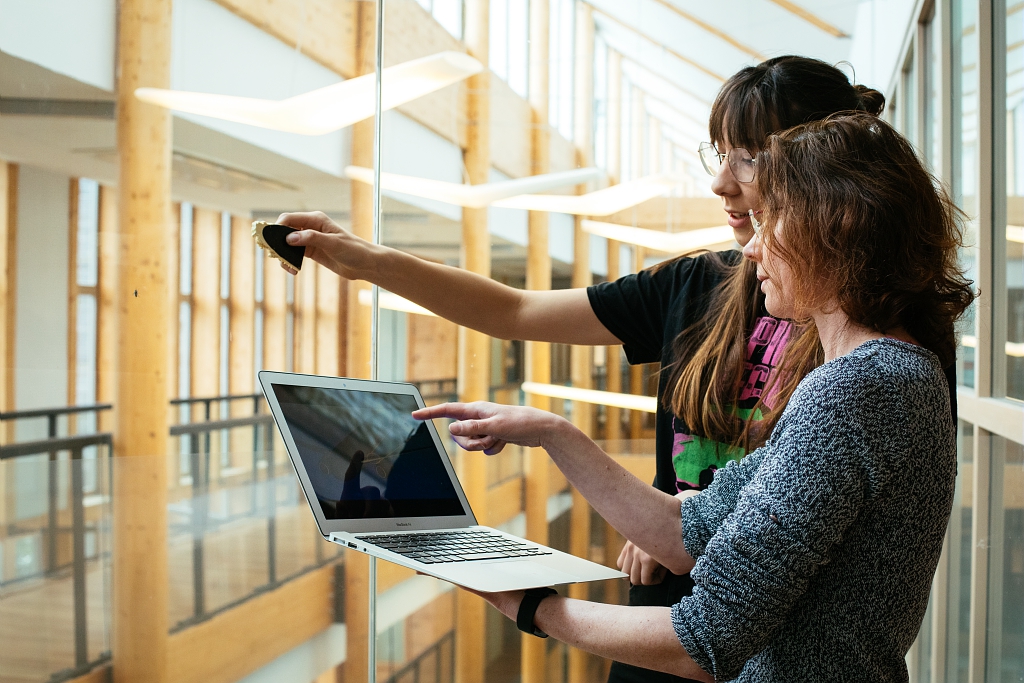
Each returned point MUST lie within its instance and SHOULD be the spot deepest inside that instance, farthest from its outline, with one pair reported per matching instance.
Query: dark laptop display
(364, 454)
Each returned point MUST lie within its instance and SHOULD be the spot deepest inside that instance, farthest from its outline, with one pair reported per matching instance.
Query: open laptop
(380, 482)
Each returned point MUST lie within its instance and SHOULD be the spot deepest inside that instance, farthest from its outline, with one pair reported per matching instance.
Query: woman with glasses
(728, 366)
(813, 556)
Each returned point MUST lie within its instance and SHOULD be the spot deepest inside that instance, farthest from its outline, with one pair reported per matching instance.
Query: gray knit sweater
(815, 553)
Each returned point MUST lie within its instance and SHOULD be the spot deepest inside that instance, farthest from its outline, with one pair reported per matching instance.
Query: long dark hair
(876, 233)
(705, 379)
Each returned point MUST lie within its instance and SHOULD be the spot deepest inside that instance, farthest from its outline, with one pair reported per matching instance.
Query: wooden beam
(538, 277)
(275, 312)
(581, 357)
(474, 348)
(205, 349)
(324, 29)
(683, 58)
(8, 288)
(241, 330)
(106, 306)
(713, 30)
(328, 306)
(613, 360)
(140, 573)
(72, 300)
(811, 18)
(357, 363)
(614, 141)
(304, 343)
(262, 629)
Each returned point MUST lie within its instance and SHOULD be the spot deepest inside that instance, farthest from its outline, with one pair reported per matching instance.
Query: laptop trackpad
(503, 576)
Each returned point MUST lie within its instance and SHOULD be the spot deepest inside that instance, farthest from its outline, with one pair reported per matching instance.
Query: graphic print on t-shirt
(694, 458)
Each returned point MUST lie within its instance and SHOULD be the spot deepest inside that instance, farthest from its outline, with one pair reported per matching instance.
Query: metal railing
(197, 430)
(75, 446)
(435, 664)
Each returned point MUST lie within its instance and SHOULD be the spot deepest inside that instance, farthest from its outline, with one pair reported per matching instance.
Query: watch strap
(528, 608)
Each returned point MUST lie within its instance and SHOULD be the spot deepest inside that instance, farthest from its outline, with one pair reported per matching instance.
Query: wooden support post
(538, 276)
(305, 319)
(8, 213)
(613, 361)
(140, 574)
(241, 347)
(328, 304)
(8, 250)
(614, 141)
(106, 306)
(275, 312)
(205, 349)
(357, 362)
(636, 372)
(474, 348)
(581, 357)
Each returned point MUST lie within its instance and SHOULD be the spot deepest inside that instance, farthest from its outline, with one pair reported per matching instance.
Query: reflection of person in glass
(358, 502)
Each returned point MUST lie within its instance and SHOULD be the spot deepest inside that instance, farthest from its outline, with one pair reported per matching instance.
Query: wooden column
(613, 362)
(581, 357)
(614, 141)
(305, 319)
(143, 323)
(241, 346)
(275, 311)
(538, 276)
(636, 372)
(474, 348)
(357, 345)
(328, 303)
(8, 223)
(106, 305)
(637, 137)
(8, 279)
(205, 349)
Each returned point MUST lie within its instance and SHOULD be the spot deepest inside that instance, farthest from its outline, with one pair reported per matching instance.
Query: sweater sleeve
(702, 515)
(811, 484)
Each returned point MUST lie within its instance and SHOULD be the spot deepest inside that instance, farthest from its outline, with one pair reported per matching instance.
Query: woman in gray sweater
(813, 556)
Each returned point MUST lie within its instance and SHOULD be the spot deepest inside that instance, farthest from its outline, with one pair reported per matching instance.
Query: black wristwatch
(528, 608)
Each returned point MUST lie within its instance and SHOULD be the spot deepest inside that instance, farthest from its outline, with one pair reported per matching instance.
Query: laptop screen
(364, 454)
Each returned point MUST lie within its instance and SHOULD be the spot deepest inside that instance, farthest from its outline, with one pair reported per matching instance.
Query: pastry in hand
(271, 237)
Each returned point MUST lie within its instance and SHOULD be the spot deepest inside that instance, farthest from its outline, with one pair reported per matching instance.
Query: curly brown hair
(867, 227)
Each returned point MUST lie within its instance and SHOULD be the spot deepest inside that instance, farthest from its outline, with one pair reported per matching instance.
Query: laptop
(380, 482)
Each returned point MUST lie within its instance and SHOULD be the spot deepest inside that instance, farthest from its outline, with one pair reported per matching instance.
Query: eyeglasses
(741, 163)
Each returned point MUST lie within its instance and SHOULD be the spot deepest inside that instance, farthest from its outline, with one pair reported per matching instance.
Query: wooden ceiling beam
(811, 18)
(713, 30)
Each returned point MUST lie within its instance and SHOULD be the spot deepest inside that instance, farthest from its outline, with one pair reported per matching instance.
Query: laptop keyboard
(454, 546)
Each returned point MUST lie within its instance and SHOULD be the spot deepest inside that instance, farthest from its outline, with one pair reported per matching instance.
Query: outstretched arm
(642, 636)
(468, 299)
(648, 517)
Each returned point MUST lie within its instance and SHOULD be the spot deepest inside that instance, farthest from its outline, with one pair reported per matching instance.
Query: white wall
(216, 51)
(76, 38)
(409, 148)
(41, 328)
(878, 35)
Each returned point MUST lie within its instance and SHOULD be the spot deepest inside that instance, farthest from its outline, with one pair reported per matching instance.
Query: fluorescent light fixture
(648, 404)
(1015, 349)
(473, 196)
(599, 203)
(327, 109)
(392, 302)
(1015, 233)
(670, 242)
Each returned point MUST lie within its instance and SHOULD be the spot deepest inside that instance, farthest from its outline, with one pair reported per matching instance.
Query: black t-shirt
(647, 311)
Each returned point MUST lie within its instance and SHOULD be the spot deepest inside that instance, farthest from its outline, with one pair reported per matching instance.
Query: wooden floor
(37, 619)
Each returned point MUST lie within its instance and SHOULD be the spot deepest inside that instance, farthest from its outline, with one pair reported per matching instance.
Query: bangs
(742, 115)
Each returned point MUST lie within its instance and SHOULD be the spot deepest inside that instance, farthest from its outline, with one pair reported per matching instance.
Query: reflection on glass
(1006, 563)
(1014, 199)
(965, 162)
(959, 548)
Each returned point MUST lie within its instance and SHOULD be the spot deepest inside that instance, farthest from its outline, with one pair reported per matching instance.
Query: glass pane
(965, 163)
(1014, 200)
(1006, 569)
(959, 548)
